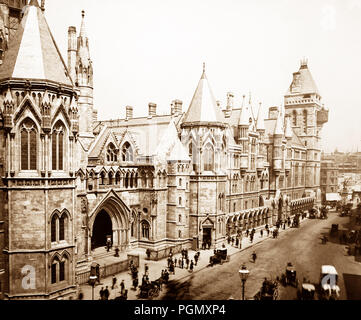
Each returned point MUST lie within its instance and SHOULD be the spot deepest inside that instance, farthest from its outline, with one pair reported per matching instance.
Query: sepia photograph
(186, 151)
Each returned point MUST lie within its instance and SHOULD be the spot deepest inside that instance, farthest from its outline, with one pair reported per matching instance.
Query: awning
(333, 197)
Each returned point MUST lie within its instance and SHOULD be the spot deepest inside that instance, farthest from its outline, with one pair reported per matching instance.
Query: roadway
(300, 246)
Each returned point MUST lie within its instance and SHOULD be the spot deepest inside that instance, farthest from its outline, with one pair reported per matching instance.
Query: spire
(288, 130)
(34, 3)
(245, 114)
(203, 108)
(279, 128)
(33, 53)
(82, 28)
(260, 119)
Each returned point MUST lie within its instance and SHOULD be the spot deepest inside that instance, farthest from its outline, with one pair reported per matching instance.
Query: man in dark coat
(106, 293)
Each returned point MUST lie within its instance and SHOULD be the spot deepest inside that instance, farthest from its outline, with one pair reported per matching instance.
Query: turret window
(57, 140)
(305, 121)
(208, 158)
(28, 145)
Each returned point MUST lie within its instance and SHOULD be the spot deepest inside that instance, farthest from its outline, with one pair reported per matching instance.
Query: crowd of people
(184, 261)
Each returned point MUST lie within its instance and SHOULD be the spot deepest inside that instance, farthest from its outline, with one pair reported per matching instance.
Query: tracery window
(57, 142)
(208, 158)
(28, 145)
(112, 154)
(145, 229)
(127, 152)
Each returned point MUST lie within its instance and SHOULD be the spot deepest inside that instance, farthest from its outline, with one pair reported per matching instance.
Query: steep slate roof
(305, 83)
(33, 53)
(203, 107)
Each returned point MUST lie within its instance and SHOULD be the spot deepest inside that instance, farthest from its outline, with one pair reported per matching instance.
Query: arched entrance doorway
(102, 228)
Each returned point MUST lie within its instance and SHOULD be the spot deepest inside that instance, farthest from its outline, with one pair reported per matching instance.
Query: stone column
(12, 154)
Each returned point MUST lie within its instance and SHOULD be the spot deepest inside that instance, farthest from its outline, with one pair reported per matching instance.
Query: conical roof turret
(203, 108)
(260, 119)
(33, 53)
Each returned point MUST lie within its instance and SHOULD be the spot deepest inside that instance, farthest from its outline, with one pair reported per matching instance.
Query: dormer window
(127, 152)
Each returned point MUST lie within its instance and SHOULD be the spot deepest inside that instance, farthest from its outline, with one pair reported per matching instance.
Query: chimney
(42, 5)
(273, 113)
(129, 112)
(152, 107)
(177, 107)
(230, 100)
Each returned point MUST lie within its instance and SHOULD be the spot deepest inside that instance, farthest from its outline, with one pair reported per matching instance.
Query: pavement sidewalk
(156, 267)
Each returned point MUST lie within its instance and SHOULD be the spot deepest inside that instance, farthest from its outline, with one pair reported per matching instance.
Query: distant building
(329, 177)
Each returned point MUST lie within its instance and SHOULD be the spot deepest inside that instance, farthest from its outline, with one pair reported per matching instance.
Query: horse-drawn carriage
(149, 290)
(220, 256)
(269, 291)
(290, 276)
(312, 213)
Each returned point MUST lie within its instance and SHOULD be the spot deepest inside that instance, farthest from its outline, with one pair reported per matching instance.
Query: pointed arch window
(192, 155)
(305, 121)
(57, 143)
(208, 158)
(112, 153)
(53, 228)
(294, 117)
(127, 152)
(145, 229)
(28, 145)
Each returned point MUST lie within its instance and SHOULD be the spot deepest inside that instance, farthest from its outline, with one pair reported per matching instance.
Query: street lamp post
(92, 281)
(243, 274)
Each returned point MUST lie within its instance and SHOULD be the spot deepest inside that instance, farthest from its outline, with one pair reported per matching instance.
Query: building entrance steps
(156, 267)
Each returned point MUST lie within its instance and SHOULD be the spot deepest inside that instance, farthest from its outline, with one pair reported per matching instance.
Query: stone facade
(69, 182)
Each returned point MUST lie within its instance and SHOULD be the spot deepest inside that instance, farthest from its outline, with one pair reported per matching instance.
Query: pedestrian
(106, 293)
(196, 258)
(254, 256)
(251, 238)
(237, 241)
(122, 286)
(109, 244)
(261, 232)
(175, 262)
(247, 233)
(101, 293)
(232, 241)
(191, 266)
(80, 295)
(284, 226)
(182, 264)
(187, 261)
(114, 282)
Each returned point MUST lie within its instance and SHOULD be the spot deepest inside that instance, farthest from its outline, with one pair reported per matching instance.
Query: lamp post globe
(243, 274)
(92, 281)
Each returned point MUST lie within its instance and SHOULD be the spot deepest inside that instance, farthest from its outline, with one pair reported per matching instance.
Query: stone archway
(110, 218)
(102, 228)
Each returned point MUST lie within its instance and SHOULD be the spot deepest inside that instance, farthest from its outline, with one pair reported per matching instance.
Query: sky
(153, 51)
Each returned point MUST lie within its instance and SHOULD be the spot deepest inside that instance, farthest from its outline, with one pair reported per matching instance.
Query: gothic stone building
(69, 182)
